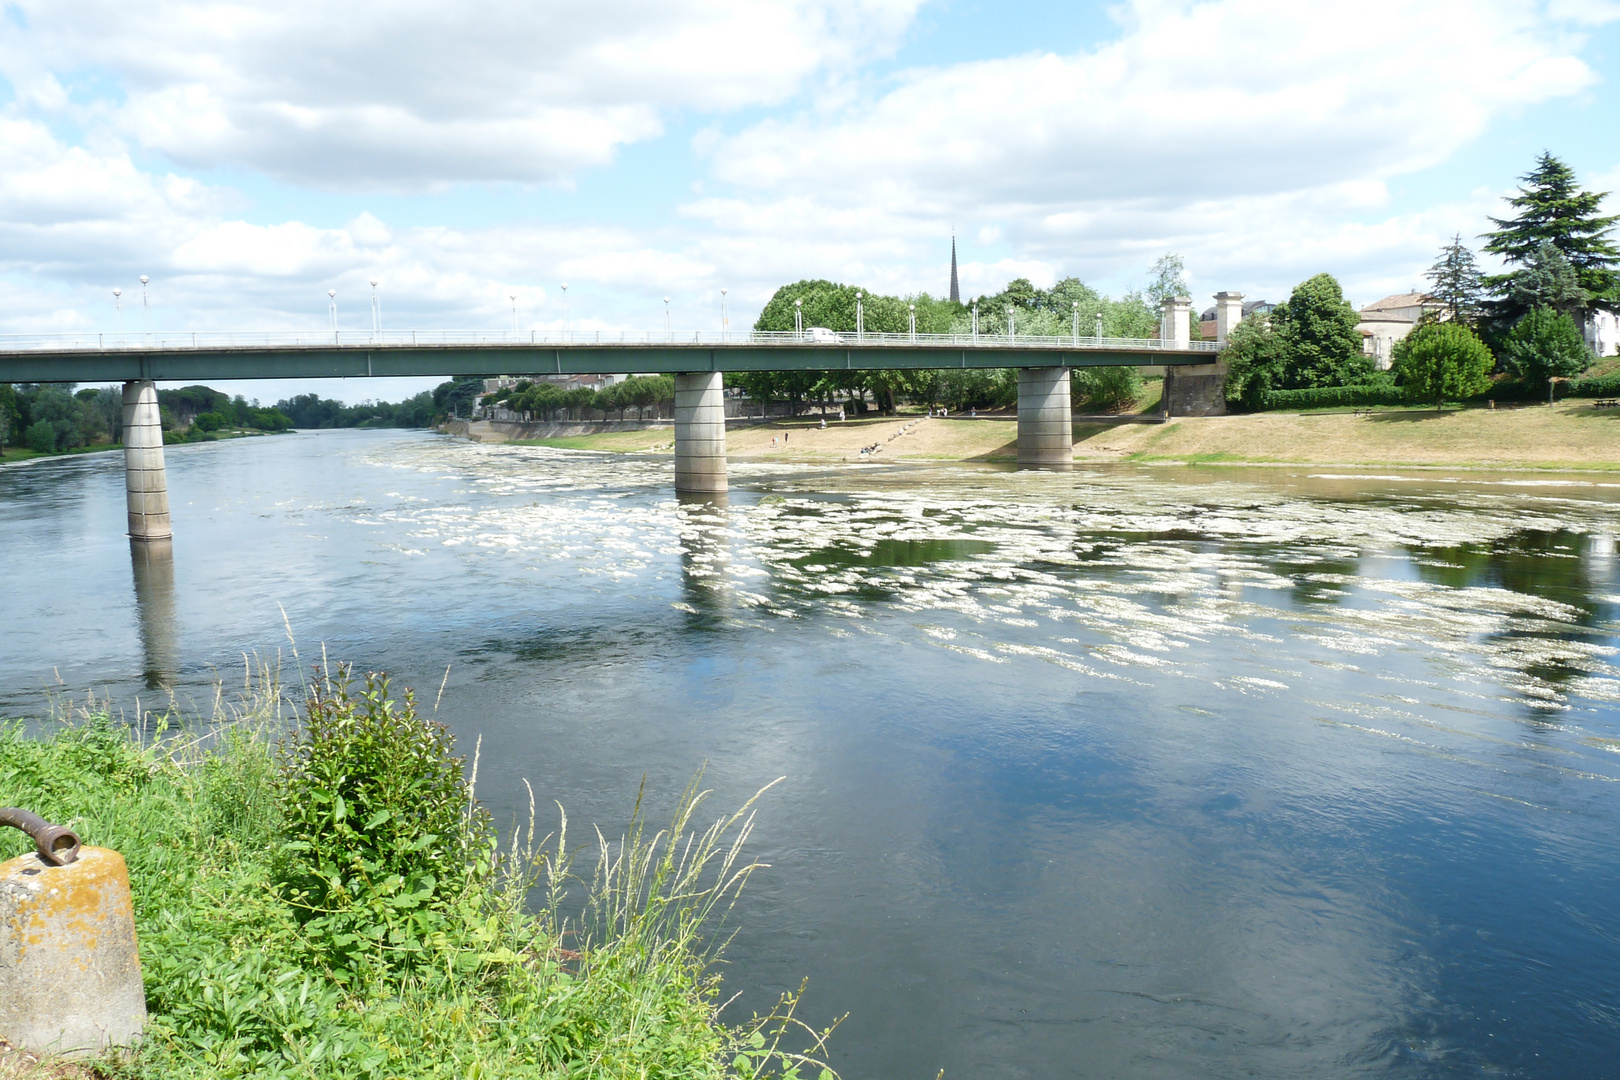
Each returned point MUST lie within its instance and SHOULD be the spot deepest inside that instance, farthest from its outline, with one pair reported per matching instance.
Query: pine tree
(1551, 208)
(1457, 282)
(1547, 281)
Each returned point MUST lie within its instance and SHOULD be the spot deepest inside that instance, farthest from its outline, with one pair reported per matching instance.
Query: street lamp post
(975, 323)
(1077, 322)
(1099, 328)
(118, 302)
(723, 324)
(513, 297)
(565, 310)
(376, 313)
(798, 319)
(668, 328)
(860, 317)
(331, 311)
(146, 309)
(914, 324)
(1010, 337)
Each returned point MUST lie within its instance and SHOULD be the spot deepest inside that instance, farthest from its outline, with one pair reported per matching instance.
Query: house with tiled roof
(1384, 322)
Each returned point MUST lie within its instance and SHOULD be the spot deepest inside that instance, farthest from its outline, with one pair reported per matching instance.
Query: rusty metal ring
(57, 845)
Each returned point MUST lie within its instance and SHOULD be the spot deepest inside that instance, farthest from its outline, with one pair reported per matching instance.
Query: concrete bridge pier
(700, 433)
(1045, 425)
(146, 486)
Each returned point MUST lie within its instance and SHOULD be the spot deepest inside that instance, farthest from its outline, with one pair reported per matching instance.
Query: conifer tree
(1551, 208)
(1457, 282)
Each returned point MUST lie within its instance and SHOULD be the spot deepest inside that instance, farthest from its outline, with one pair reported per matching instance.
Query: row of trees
(1509, 333)
(543, 400)
(1033, 310)
(51, 418)
(313, 411)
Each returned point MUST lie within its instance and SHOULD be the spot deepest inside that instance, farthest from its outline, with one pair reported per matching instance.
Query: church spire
(956, 293)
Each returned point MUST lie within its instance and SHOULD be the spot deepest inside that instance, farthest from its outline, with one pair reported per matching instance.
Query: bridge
(698, 361)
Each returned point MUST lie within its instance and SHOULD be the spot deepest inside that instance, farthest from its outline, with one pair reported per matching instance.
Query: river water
(1129, 772)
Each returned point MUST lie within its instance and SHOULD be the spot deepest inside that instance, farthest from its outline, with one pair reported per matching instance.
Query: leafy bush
(40, 437)
(208, 421)
(378, 818)
(1441, 360)
(1108, 387)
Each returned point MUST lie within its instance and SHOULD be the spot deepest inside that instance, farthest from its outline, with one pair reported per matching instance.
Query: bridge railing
(173, 341)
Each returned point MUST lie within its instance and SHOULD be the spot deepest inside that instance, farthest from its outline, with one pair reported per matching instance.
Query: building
(1603, 332)
(1384, 322)
(1206, 319)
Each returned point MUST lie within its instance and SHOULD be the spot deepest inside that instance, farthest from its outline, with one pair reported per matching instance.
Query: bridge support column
(146, 486)
(1045, 424)
(700, 433)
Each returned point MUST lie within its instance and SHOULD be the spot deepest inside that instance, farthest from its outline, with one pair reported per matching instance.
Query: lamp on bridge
(513, 297)
(331, 310)
(565, 310)
(376, 311)
(1077, 322)
(146, 310)
(722, 313)
(798, 319)
(860, 317)
(668, 329)
(118, 302)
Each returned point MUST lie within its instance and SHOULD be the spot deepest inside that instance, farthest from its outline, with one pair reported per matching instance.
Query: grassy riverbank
(334, 903)
(1570, 435)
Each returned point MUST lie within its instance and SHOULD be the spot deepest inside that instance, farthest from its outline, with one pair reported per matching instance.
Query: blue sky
(250, 156)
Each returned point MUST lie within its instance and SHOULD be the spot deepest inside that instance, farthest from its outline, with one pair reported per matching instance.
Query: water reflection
(152, 564)
(705, 552)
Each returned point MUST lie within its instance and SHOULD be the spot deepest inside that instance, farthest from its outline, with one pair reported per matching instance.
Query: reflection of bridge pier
(152, 562)
(704, 550)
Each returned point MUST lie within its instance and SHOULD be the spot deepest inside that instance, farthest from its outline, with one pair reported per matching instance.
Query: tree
(1545, 344)
(1551, 208)
(1255, 355)
(1548, 280)
(1440, 360)
(11, 425)
(1457, 281)
(1318, 329)
(1169, 278)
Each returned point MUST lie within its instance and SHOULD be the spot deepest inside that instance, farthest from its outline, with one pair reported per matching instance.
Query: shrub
(1441, 360)
(40, 437)
(1602, 386)
(209, 421)
(379, 819)
(1108, 387)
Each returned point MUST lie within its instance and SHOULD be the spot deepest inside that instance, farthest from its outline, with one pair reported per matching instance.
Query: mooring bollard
(70, 977)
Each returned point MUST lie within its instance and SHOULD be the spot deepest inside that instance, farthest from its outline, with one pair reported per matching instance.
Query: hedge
(1598, 386)
(1329, 397)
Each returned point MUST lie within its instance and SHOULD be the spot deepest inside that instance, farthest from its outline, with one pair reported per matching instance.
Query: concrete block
(70, 975)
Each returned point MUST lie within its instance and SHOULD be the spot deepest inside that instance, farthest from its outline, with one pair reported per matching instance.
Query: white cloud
(419, 93)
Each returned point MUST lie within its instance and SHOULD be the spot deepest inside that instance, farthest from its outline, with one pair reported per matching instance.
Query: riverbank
(1570, 435)
(331, 901)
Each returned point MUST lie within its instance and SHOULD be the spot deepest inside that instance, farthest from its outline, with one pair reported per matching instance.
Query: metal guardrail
(170, 341)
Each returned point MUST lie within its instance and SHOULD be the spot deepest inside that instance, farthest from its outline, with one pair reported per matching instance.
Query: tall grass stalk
(516, 965)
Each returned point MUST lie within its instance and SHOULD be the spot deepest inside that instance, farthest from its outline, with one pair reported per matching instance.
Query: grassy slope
(1570, 435)
(237, 987)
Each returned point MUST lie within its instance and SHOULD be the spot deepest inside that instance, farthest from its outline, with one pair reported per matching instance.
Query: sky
(250, 155)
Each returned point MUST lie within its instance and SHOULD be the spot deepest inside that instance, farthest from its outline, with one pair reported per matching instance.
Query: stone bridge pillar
(146, 487)
(1045, 425)
(700, 433)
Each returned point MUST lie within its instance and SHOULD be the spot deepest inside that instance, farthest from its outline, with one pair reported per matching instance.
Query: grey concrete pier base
(1045, 425)
(700, 433)
(146, 487)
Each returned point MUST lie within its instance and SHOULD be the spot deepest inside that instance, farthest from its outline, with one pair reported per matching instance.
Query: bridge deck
(201, 356)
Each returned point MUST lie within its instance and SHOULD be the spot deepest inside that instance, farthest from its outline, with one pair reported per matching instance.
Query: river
(1128, 772)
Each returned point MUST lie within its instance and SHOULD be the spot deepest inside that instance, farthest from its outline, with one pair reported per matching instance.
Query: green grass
(609, 973)
(22, 453)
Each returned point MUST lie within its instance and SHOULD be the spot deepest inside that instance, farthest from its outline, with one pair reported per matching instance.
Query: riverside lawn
(297, 917)
(1571, 435)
